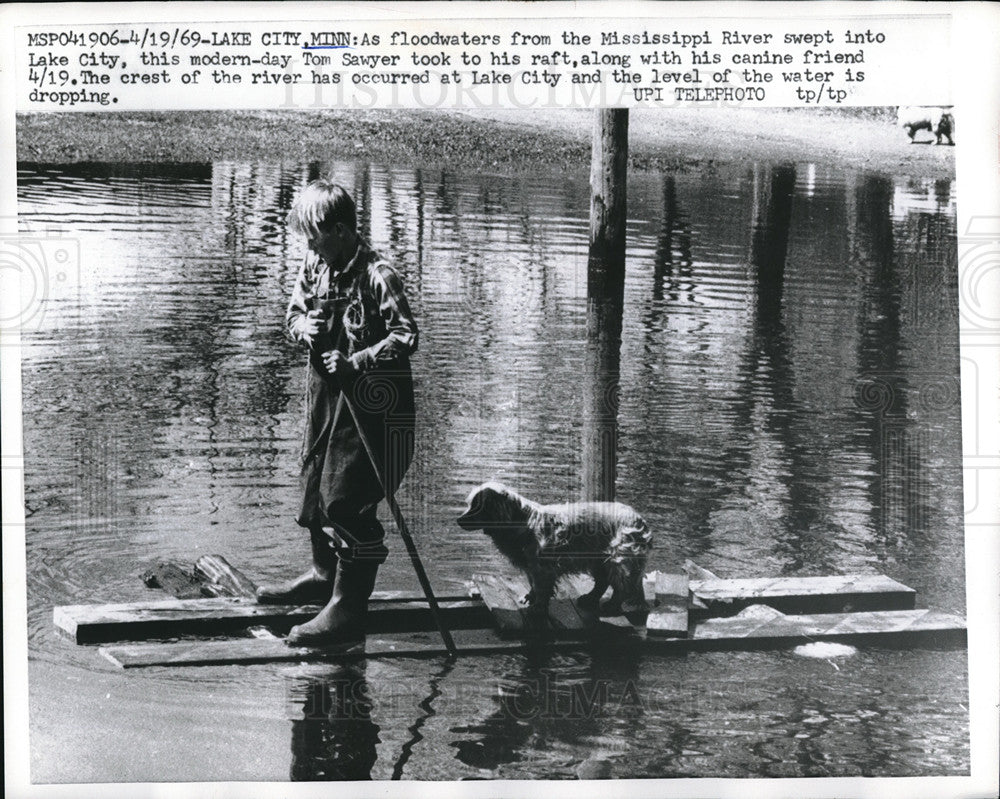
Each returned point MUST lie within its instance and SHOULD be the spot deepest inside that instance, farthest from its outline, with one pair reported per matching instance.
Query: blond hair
(320, 206)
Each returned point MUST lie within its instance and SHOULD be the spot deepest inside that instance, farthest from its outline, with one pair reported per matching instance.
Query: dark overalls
(367, 317)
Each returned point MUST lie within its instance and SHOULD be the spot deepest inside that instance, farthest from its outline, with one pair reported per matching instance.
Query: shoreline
(489, 140)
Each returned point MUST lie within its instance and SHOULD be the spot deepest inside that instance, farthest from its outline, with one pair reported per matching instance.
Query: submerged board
(756, 627)
(275, 650)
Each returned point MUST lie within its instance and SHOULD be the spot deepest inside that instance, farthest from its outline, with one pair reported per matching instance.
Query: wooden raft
(692, 611)
(708, 597)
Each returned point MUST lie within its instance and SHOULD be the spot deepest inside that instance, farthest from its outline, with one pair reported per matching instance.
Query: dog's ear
(476, 506)
(483, 502)
(501, 504)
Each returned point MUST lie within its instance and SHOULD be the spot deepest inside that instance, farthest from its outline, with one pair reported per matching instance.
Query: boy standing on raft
(350, 311)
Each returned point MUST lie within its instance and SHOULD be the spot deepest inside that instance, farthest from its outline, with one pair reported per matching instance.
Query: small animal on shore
(939, 120)
(608, 540)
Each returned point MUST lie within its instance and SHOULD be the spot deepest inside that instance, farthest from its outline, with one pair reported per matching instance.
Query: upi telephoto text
(771, 62)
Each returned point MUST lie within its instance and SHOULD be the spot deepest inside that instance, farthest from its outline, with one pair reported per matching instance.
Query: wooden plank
(504, 605)
(220, 572)
(571, 587)
(564, 610)
(715, 596)
(564, 615)
(504, 595)
(669, 616)
(265, 650)
(695, 572)
(760, 626)
(828, 594)
(792, 594)
(88, 624)
(389, 597)
(756, 627)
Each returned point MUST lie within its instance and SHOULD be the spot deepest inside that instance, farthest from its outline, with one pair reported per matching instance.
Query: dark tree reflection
(882, 391)
(767, 389)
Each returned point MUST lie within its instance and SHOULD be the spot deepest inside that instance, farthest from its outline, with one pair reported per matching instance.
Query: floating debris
(825, 649)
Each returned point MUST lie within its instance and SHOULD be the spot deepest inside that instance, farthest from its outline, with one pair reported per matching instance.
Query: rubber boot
(313, 587)
(342, 621)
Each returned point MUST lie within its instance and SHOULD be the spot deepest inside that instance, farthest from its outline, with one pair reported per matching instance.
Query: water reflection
(336, 738)
(751, 379)
(582, 709)
(767, 403)
(786, 366)
(601, 379)
(426, 708)
(672, 265)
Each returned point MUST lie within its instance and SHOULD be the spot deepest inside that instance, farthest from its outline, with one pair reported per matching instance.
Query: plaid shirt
(377, 320)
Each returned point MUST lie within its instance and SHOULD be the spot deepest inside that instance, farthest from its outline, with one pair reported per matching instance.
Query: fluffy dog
(606, 539)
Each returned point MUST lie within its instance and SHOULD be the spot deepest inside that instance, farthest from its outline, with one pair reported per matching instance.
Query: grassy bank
(486, 140)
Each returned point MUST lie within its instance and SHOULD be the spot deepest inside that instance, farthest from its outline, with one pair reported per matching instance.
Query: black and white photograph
(496, 443)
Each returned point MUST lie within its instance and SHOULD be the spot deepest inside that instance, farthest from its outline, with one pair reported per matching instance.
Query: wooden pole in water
(608, 184)
(605, 296)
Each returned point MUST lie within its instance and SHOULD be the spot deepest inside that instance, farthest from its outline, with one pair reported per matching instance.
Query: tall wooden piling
(608, 195)
(605, 293)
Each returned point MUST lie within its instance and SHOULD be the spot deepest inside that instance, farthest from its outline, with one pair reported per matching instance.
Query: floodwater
(787, 403)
